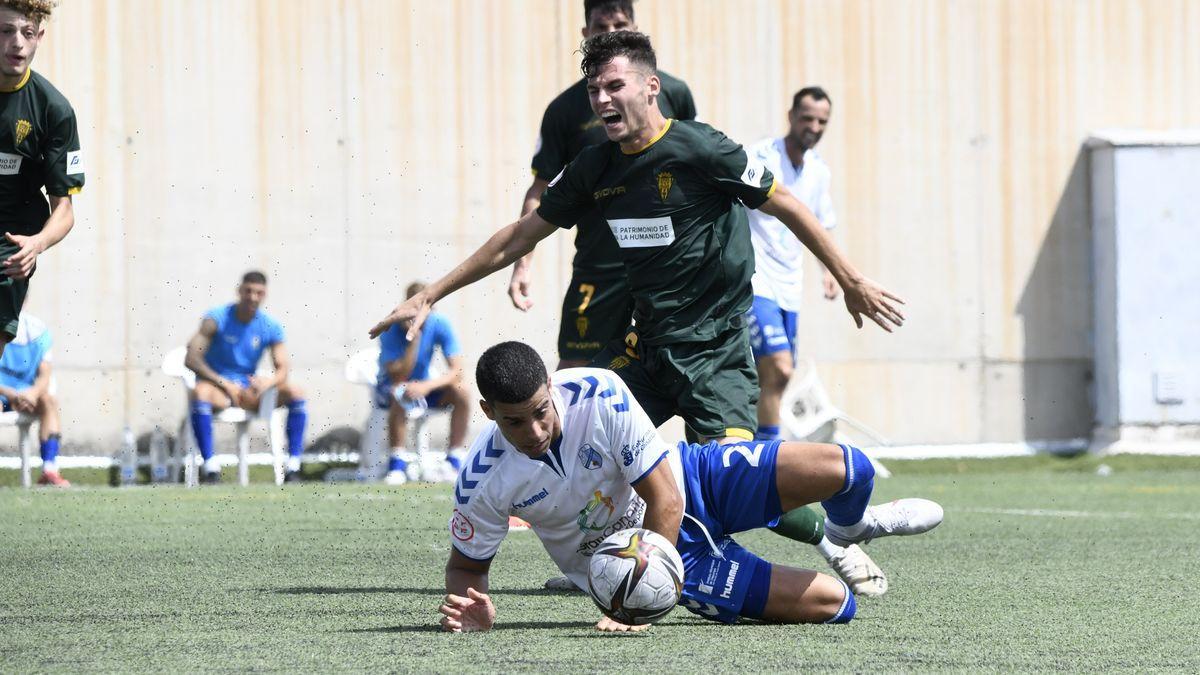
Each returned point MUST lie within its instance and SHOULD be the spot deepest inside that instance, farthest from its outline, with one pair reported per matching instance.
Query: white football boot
(859, 572)
(900, 518)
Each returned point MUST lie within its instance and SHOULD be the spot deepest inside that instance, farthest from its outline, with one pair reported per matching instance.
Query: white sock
(211, 466)
(293, 463)
(50, 467)
(829, 549)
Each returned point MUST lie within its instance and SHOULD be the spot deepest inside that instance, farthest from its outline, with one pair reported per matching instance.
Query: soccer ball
(635, 577)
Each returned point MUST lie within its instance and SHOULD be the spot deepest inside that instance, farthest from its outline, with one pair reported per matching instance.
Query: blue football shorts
(730, 489)
(384, 397)
(771, 329)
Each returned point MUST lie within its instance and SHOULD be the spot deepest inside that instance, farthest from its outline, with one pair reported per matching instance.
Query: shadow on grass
(503, 625)
(434, 592)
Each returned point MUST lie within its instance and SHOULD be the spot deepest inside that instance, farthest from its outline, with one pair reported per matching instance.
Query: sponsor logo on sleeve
(461, 526)
(753, 174)
(10, 165)
(74, 162)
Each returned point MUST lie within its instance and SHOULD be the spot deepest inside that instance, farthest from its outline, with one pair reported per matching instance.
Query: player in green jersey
(597, 307)
(669, 191)
(39, 148)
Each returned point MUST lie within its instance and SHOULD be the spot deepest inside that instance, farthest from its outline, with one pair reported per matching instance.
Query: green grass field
(1041, 565)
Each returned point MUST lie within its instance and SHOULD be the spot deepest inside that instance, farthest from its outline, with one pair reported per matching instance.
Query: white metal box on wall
(1146, 267)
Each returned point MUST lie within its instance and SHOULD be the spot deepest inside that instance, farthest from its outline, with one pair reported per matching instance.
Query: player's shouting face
(621, 94)
(531, 425)
(19, 36)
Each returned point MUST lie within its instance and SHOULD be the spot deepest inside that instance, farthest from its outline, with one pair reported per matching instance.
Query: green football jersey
(569, 126)
(39, 148)
(673, 209)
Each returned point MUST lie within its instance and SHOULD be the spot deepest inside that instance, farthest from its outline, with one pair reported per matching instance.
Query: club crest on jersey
(255, 341)
(665, 182)
(581, 325)
(461, 526)
(590, 458)
(22, 130)
(596, 513)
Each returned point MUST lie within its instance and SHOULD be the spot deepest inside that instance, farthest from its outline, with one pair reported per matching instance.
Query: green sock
(802, 524)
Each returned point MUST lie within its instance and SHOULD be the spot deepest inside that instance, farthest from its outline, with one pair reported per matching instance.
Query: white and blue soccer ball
(635, 577)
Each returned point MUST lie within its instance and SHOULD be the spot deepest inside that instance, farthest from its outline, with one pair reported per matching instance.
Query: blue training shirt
(435, 333)
(237, 347)
(23, 356)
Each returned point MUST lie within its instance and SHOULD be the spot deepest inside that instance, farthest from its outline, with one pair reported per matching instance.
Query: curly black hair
(603, 48)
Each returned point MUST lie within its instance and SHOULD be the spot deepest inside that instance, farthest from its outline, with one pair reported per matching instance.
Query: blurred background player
(224, 354)
(598, 305)
(39, 148)
(772, 319)
(779, 256)
(407, 364)
(25, 373)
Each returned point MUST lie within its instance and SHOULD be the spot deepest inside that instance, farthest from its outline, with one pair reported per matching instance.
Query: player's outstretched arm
(518, 286)
(61, 220)
(863, 296)
(664, 504)
(467, 607)
(501, 250)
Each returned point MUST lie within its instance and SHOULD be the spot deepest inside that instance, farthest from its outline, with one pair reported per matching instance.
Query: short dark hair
(817, 94)
(254, 277)
(606, 7)
(603, 48)
(510, 372)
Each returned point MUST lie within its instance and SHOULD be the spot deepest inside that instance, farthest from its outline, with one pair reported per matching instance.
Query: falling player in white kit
(577, 457)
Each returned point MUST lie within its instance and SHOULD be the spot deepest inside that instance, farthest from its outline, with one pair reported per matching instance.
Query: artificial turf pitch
(1041, 564)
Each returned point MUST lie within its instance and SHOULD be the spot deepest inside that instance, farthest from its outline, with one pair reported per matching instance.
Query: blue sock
(847, 506)
(297, 419)
(454, 462)
(847, 610)
(50, 449)
(767, 433)
(397, 463)
(202, 428)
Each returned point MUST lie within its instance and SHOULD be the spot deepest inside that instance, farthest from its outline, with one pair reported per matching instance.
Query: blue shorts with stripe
(729, 489)
(772, 329)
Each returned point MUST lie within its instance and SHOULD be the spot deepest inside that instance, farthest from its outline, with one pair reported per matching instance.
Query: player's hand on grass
(411, 313)
(607, 625)
(466, 615)
(867, 298)
(830, 286)
(518, 288)
(20, 264)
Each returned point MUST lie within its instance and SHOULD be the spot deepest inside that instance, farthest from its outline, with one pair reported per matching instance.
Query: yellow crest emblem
(665, 182)
(581, 325)
(23, 129)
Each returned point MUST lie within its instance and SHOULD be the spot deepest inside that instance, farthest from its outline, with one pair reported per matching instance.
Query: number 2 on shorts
(752, 455)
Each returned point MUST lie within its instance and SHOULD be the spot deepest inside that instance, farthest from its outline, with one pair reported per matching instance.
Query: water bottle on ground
(158, 456)
(128, 457)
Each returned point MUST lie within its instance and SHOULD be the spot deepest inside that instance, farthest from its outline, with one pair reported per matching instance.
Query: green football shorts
(712, 385)
(595, 312)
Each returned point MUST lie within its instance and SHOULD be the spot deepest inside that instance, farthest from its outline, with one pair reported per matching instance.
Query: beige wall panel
(350, 147)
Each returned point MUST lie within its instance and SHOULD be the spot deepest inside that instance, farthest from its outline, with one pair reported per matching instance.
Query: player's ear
(653, 85)
(487, 410)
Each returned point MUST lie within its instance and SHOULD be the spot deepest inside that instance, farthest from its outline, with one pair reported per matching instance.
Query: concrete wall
(349, 147)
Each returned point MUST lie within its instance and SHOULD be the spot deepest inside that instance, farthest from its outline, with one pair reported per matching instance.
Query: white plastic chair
(363, 368)
(807, 413)
(24, 423)
(186, 451)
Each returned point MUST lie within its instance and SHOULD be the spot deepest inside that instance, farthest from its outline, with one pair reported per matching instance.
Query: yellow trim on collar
(22, 83)
(743, 434)
(654, 140)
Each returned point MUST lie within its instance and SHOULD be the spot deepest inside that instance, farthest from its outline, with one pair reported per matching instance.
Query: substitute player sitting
(576, 456)
(25, 371)
(39, 148)
(224, 354)
(406, 387)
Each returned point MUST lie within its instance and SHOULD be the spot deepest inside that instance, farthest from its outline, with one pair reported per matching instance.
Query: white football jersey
(778, 255)
(577, 493)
